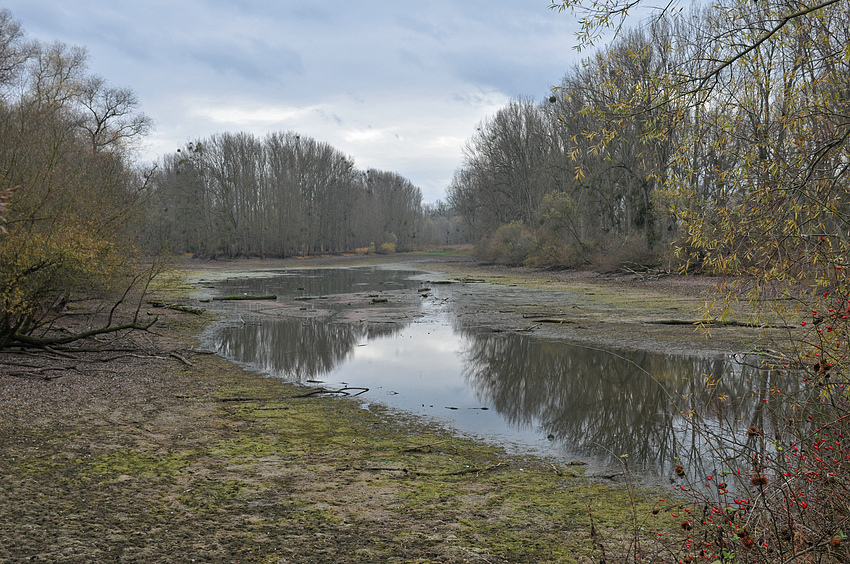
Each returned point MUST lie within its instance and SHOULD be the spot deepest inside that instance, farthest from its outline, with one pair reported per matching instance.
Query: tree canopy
(235, 194)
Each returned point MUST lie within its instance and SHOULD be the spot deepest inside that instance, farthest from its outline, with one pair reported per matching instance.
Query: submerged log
(177, 307)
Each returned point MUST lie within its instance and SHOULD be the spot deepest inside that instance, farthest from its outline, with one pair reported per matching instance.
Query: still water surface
(550, 397)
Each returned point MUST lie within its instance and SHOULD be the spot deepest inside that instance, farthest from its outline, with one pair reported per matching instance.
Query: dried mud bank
(634, 312)
(163, 453)
(616, 311)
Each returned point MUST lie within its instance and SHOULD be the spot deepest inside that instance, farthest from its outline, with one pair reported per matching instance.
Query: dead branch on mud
(179, 357)
(236, 399)
(473, 470)
(36, 373)
(50, 343)
(177, 307)
(342, 391)
(407, 471)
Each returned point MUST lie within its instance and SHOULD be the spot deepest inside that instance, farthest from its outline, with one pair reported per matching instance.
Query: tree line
(642, 147)
(285, 194)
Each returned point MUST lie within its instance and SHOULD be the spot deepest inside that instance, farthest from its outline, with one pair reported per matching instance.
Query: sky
(396, 85)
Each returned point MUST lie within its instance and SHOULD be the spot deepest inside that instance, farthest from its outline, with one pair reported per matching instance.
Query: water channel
(552, 398)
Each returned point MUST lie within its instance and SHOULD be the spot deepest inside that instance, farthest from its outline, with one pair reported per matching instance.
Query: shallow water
(550, 397)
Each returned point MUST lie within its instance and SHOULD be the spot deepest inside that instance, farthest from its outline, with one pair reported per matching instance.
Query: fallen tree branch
(465, 471)
(180, 358)
(381, 469)
(59, 353)
(36, 372)
(341, 391)
(225, 400)
(19, 364)
(608, 476)
(424, 448)
(46, 343)
(239, 298)
(129, 355)
(726, 323)
(473, 470)
(177, 307)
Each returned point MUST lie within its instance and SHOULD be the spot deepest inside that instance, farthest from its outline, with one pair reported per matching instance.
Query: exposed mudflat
(624, 311)
(153, 451)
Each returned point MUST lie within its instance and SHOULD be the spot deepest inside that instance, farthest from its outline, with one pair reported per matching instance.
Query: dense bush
(509, 245)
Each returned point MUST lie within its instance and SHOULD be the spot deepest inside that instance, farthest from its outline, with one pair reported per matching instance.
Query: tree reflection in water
(295, 349)
(592, 402)
(618, 403)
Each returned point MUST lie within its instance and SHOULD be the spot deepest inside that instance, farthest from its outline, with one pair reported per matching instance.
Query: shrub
(554, 253)
(559, 239)
(631, 252)
(509, 245)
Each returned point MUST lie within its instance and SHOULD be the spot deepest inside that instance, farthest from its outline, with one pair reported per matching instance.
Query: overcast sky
(397, 85)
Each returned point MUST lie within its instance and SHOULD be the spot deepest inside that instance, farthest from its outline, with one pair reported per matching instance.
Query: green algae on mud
(472, 496)
(158, 460)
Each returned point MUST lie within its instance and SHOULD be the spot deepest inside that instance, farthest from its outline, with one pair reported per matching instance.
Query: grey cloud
(328, 117)
(472, 100)
(252, 60)
(509, 75)
(418, 25)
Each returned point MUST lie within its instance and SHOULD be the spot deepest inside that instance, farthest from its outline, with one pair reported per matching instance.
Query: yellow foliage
(37, 269)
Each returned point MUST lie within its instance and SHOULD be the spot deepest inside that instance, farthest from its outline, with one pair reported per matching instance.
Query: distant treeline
(235, 194)
(532, 191)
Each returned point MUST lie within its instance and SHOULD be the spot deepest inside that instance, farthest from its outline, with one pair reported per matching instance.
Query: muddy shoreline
(165, 453)
(618, 311)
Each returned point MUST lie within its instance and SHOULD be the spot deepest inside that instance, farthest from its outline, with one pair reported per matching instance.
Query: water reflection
(611, 403)
(565, 399)
(295, 349)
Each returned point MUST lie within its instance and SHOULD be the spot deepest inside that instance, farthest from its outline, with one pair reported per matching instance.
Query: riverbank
(168, 454)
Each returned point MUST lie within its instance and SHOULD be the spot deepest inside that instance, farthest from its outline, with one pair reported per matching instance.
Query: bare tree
(68, 211)
(109, 115)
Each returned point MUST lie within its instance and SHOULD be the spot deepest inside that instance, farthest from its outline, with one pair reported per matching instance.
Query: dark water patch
(312, 282)
(614, 403)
